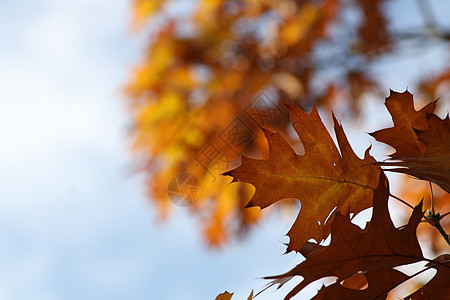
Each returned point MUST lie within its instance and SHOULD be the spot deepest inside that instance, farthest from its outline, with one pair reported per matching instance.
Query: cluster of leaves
(208, 60)
(334, 185)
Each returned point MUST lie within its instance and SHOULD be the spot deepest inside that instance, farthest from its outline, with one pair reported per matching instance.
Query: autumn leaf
(144, 9)
(381, 281)
(373, 28)
(372, 252)
(438, 288)
(406, 120)
(228, 296)
(421, 140)
(433, 86)
(434, 163)
(322, 179)
(224, 296)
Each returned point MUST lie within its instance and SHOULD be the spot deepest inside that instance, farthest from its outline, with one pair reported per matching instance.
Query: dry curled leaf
(406, 120)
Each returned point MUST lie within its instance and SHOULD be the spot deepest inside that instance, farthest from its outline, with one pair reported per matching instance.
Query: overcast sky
(74, 221)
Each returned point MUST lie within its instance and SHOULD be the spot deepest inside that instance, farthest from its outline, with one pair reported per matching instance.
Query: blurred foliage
(216, 70)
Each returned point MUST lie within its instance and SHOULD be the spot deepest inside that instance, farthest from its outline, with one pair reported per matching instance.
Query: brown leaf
(373, 27)
(421, 138)
(228, 296)
(224, 296)
(438, 288)
(433, 163)
(406, 119)
(372, 252)
(381, 281)
(321, 179)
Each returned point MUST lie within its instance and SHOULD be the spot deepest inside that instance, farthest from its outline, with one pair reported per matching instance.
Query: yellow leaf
(297, 27)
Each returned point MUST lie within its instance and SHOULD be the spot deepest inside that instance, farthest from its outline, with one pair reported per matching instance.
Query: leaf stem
(432, 199)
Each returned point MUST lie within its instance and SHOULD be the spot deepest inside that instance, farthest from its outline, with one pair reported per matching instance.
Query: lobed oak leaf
(433, 163)
(406, 119)
(381, 281)
(322, 179)
(222, 64)
(421, 140)
(438, 288)
(143, 9)
(372, 252)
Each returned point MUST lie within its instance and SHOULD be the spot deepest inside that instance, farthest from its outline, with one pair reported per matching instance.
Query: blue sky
(74, 220)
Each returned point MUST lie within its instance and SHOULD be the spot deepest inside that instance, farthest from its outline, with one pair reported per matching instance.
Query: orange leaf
(406, 119)
(421, 138)
(321, 179)
(353, 251)
(224, 296)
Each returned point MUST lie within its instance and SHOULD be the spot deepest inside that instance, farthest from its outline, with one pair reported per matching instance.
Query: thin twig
(402, 201)
(444, 215)
(432, 199)
(434, 220)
